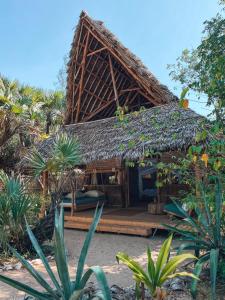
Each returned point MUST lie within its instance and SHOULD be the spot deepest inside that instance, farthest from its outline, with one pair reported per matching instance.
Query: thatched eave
(164, 128)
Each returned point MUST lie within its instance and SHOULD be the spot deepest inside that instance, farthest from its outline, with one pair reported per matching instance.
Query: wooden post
(113, 81)
(127, 186)
(82, 77)
(73, 200)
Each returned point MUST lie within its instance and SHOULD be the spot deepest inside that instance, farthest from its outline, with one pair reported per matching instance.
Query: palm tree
(26, 113)
(10, 124)
(63, 156)
(53, 109)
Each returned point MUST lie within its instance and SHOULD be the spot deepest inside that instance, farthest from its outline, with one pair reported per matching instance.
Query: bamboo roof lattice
(103, 74)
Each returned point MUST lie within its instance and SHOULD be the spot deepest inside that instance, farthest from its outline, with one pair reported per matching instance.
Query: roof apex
(123, 60)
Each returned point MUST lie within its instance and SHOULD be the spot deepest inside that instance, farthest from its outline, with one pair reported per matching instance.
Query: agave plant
(204, 234)
(65, 288)
(157, 273)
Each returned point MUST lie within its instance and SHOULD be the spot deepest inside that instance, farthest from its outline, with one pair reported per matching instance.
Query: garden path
(102, 252)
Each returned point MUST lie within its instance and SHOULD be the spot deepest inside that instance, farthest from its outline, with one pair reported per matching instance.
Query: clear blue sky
(36, 34)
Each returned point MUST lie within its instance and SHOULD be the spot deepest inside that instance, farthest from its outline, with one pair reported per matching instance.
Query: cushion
(94, 193)
(78, 194)
(84, 200)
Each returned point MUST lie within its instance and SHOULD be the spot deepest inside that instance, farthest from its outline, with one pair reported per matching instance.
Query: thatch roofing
(164, 128)
(96, 57)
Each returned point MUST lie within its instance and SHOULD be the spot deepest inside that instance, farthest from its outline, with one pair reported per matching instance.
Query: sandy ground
(102, 252)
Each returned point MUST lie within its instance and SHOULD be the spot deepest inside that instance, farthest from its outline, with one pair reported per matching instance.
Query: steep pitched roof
(164, 128)
(103, 73)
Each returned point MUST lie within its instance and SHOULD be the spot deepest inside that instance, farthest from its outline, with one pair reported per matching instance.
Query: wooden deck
(134, 221)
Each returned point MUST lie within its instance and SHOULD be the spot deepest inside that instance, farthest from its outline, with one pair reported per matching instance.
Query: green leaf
(218, 210)
(37, 163)
(16, 109)
(190, 246)
(184, 274)
(214, 258)
(197, 272)
(141, 276)
(43, 258)
(86, 245)
(100, 276)
(183, 93)
(163, 256)
(61, 258)
(172, 265)
(151, 266)
(34, 273)
(25, 288)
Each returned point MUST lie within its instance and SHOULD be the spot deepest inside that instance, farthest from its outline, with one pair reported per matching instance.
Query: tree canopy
(203, 69)
(27, 114)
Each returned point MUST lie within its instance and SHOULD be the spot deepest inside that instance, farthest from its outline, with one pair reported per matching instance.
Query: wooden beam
(153, 101)
(73, 74)
(130, 81)
(109, 88)
(98, 110)
(124, 65)
(86, 70)
(111, 111)
(116, 80)
(98, 78)
(91, 94)
(113, 81)
(130, 100)
(97, 51)
(130, 90)
(96, 88)
(82, 76)
(97, 81)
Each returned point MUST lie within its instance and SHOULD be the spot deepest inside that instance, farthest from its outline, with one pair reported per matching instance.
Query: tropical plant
(157, 273)
(63, 155)
(65, 288)
(204, 234)
(27, 115)
(15, 203)
(203, 69)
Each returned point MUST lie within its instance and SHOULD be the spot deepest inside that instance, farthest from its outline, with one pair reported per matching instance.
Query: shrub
(64, 288)
(157, 273)
(205, 234)
(15, 203)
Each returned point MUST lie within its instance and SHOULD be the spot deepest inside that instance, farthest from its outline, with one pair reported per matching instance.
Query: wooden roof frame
(103, 74)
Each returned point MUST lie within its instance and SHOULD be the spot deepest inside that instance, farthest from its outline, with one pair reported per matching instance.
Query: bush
(15, 204)
(157, 273)
(204, 233)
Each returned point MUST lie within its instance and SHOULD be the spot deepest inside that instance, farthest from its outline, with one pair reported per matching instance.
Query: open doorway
(142, 185)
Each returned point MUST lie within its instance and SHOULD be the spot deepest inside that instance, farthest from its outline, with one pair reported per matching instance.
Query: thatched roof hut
(103, 74)
(162, 128)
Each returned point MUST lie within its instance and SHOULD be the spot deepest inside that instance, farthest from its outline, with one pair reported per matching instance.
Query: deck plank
(129, 221)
